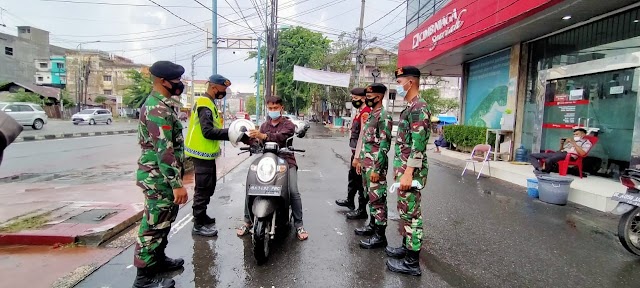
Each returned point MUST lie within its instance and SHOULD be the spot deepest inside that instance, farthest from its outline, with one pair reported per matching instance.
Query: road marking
(180, 224)
(130, 266)
(74, 138)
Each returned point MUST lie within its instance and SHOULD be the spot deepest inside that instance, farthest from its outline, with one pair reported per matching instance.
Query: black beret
(377, 88)
(358, 92)
(166, 70)
(407, 71)
(220, 80)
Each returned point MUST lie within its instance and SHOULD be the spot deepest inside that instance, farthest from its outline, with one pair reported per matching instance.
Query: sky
(145, 33)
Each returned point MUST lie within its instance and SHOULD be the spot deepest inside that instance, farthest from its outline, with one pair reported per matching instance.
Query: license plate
(629, 198)
(265, 190)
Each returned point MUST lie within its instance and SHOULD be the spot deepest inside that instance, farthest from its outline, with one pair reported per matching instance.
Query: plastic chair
(563, 166)
(473, 159)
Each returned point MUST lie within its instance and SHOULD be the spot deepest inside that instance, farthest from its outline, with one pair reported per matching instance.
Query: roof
(43, 91)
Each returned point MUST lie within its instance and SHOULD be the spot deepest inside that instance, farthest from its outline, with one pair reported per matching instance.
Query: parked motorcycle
(267, 192)
(629, 208)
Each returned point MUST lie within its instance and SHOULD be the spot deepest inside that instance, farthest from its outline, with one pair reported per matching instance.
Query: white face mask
(576, 138)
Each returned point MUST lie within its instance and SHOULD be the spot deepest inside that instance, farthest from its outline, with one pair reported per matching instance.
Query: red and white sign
(461, 22)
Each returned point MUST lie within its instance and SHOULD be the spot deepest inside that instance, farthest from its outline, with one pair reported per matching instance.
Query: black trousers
(355, 185)
(205, 187)
(550, 159)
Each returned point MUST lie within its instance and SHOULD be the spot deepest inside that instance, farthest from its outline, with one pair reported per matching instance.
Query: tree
(67, 102)
(438, 104)
(100, 99)
(339, 60)
(297, 46)
(137, 92)
(250, 104)
(23, 96)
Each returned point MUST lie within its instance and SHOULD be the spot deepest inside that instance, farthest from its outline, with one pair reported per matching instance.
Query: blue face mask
(274, 114)
(400, 91)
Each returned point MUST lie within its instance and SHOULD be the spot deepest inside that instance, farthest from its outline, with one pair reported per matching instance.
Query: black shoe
(147, 279)
(357, 214)
(346, 203)
(206, 220)
(396, 252)
(366, 230)
(409, 265)
(169, 265)
(378, 240)
(205, 231)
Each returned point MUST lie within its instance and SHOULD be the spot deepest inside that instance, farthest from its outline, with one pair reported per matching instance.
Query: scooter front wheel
(261, 240)
(629, 231)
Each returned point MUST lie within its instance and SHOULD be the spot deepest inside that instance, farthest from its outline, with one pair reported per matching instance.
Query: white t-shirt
(583, 143)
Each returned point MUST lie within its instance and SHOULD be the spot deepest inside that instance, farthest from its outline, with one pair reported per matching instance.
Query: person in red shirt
(355, 185)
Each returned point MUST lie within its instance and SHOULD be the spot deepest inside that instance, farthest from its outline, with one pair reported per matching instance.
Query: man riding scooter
(279, 129)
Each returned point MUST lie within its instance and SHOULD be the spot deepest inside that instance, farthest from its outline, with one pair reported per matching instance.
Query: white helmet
(238, 128)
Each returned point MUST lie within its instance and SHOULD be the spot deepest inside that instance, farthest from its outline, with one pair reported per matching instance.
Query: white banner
(321, 77)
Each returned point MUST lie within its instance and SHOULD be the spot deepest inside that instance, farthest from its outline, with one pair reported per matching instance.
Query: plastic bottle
(521, 154)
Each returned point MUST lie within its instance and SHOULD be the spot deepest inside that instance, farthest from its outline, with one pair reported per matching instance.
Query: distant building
(51, 72)
(18, 53)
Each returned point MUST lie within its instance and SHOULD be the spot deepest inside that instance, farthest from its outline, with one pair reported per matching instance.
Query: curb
(73, 135)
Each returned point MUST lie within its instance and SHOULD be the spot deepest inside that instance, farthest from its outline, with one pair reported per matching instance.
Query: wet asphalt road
(482, 233)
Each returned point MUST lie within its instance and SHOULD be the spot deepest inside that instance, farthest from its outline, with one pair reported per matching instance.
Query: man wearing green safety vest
(203, 145)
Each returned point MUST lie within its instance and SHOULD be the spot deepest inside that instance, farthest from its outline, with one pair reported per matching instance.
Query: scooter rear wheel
(261, 240)
(629, 231)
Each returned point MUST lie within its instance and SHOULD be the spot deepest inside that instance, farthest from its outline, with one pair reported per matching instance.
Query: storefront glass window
(419, 11)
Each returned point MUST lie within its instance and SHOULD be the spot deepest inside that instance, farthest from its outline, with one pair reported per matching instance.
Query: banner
(321, 77)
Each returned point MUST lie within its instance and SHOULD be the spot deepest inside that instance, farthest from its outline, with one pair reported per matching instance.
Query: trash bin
(554, 189)
(532, 187)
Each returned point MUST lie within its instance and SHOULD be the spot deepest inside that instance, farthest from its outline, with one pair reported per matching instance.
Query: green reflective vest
(195, 144)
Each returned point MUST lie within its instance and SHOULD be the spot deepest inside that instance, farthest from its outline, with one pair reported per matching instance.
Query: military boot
(378, 240)
(409, 265)
(166, 264)
(397, 252)
(347, 203)
(366, 230)
(203, 230)
(146, 278)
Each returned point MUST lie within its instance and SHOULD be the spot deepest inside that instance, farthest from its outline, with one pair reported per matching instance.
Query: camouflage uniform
(377, 142)
(160, 170)
(410, 150)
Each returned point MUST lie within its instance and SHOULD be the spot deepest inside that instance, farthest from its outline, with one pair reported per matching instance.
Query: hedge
(464, 136)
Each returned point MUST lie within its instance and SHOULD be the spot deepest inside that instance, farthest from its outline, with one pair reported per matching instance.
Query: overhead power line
(394, 9)
(225, 18)
(174, 14)
(119, 4)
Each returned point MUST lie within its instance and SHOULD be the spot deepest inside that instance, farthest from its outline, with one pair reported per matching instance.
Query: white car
(27, 114)
(92, 116)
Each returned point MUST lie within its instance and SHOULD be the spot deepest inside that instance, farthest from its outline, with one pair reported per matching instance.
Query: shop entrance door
(603, 103)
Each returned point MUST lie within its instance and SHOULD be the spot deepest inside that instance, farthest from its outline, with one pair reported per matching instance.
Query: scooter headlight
(266, 169)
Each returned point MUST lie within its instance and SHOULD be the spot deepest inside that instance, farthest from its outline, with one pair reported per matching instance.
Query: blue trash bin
(532, 187)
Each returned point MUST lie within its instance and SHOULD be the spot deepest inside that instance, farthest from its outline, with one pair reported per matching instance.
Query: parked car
(27, 114)
(92, 116)
(242, 115)
(253, 118)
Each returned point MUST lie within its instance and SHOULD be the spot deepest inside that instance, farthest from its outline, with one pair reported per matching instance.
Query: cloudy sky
(144, 32)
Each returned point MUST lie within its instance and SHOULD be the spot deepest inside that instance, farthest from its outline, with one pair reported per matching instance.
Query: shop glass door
(603, 103)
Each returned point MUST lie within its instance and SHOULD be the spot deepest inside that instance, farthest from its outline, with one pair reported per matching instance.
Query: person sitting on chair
(576, 145)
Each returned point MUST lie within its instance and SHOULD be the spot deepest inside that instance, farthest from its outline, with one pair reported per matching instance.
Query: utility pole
(214, 37)
(359, 48)
(258, 84)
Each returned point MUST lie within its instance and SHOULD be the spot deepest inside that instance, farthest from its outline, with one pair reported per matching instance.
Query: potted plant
(507, 120)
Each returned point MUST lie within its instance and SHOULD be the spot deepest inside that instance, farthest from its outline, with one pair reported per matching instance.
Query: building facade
(51, 72)
(540, 68)
(92, 73)
(18, 53)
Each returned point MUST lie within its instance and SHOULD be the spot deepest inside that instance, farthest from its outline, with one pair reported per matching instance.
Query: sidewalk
(56, 129)
(56, 213)
(592, 192)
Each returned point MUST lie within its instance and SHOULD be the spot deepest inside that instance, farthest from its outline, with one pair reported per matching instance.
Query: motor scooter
(629, 207)
(267, 193)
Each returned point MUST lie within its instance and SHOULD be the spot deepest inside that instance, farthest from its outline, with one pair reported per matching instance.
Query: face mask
(175, 87)
(220, 95)
(274, 114)
(400, 90)
(576, 138)
(356, 103)
(372, 102)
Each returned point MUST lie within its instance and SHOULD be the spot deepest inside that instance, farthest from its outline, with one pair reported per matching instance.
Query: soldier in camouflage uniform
(159, 174)
(410, 164)
(375, 163)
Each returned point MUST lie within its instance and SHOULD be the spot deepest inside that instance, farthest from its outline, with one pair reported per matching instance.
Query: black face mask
(356, 103)
(372, 102)
(220, 95)
(175, 87)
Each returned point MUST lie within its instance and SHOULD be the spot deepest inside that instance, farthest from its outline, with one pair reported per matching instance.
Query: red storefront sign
(461, 22)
